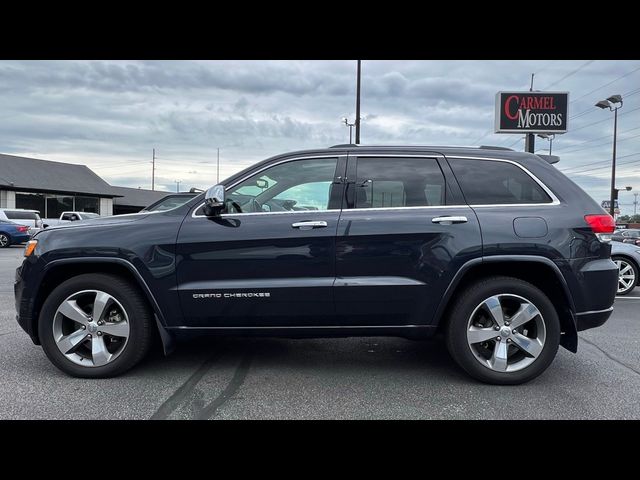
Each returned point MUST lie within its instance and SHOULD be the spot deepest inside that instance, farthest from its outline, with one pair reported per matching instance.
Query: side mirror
(261, 183)
(214, 200)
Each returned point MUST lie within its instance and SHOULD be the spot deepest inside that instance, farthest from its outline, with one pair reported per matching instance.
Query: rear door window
(489, 182)
(398, 182)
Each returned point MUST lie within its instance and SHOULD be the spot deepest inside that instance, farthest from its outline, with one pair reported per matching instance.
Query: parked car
(627, 236)
(30, 218)
(627, 257)
(70, 217)
(496, 249)
(11, 233)
(169, 202)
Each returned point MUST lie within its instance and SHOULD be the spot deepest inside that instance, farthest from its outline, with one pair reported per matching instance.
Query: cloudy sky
(110, 114)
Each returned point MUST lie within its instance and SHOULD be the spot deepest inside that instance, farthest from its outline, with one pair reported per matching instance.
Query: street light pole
(611, 104)
(613, 163)
(358, 105)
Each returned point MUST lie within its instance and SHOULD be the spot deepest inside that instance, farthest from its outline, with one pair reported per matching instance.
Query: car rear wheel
(503, 331)
(95, 326)
(5, 241)
(627, 275)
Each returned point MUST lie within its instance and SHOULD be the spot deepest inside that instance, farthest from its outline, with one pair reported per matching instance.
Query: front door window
(292, 186)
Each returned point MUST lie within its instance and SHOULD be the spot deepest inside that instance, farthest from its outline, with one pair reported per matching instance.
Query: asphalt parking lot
(355, 378)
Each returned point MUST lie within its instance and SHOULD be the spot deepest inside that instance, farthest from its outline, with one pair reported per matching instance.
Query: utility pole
(218, 169)
(358, 104)
(153, 171)
(635, 203)
(530, 139)
(178, 182)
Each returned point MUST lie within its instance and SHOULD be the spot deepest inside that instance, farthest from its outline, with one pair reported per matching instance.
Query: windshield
(169, 202)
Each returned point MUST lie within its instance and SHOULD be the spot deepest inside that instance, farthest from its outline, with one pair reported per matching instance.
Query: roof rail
(344, 145)
(491, 147)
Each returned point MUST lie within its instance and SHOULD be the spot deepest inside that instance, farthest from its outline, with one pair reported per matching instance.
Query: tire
(107, 352)
(483, 360)
(631, 283)
(5, 240)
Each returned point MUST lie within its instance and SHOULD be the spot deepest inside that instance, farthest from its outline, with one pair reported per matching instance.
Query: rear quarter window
(489, 182)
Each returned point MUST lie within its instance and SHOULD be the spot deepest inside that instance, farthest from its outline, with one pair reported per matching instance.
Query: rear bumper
(20, 238)
(587, 320)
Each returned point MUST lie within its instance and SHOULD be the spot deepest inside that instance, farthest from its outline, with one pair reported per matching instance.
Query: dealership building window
(52, 206)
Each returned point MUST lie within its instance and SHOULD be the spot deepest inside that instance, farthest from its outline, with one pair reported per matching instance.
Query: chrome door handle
(449, 220)
(309, 225)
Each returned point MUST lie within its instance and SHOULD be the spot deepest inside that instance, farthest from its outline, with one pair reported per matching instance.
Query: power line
(601, 144)
(631, 93)
(605, 85)
(595, 139)
(607, 167)
(569, 74)
(608, 162)
(604, 120)
(595, 163)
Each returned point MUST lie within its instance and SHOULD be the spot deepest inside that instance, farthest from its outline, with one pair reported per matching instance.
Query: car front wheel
(95, 326)
(503, 331)
(627, 275)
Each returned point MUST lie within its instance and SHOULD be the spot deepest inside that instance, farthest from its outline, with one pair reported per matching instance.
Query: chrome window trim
(346, 210)
(247, 214)
(293, 159)
(554, 200)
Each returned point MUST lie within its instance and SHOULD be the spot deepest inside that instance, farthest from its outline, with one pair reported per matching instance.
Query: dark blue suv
(496, 249)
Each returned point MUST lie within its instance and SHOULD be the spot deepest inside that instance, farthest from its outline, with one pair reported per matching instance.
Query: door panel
(393, 264)
(261, 269)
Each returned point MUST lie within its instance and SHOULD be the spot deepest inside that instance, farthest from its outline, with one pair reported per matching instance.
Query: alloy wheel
(91, 328)
(626, 276)
(4, 240)
(506, 333)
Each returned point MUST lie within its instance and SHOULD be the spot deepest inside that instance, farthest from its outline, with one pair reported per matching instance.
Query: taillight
(602, 225)
(22, 229)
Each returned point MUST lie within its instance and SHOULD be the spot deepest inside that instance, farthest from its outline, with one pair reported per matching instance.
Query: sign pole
(530, 141)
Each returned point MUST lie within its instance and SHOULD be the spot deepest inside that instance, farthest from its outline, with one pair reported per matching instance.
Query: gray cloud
(110, 114)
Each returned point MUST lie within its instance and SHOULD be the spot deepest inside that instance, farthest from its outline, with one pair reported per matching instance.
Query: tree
(623, 219)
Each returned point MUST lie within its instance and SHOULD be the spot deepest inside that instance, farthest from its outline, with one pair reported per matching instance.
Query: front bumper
(24, 307)
(587, 320)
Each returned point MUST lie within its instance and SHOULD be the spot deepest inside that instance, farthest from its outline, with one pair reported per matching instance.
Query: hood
(101, 221)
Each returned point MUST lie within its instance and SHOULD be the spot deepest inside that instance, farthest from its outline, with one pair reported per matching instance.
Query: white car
(627, 257)
(30, 218)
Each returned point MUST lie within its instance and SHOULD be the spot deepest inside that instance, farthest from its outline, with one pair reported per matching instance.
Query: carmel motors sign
(531, 112)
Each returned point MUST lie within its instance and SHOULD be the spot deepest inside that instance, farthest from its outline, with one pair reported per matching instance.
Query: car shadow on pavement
(374, 355)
